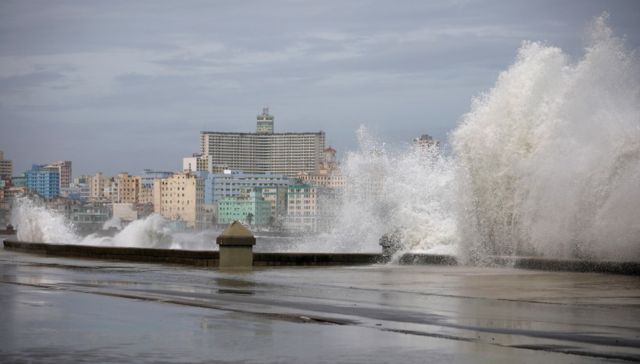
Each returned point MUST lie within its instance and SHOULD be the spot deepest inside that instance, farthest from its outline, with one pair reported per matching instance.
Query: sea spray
(410, 189)
(546, 163)
(36, 223)
(550, 157)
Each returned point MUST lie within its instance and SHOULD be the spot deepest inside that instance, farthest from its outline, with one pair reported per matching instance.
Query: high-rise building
(180, 197)
(44, 180)
(64, 169)
(6, 167)
(264, 151)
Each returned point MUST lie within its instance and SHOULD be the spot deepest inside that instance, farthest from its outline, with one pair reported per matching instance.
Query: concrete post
(236, 247)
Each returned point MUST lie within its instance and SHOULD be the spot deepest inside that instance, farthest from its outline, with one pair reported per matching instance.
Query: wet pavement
(75, 310)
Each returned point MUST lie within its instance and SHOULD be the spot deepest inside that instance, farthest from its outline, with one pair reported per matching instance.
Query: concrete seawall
(211, 258)
(189, 257)
(172, 256)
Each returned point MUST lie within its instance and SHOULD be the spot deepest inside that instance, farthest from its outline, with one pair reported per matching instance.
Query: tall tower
(265, 122)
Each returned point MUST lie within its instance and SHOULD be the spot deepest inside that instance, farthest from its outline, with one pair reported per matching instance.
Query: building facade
(6, 167)
(302, 208)
(251, 209)
(236, 183)
(44, 180)
(328, 175)
(64, 169)
(264, 124)
(180, 197)
(145, 189)
(264, 151)
(98, 185)
(126, 188)
(277, 198)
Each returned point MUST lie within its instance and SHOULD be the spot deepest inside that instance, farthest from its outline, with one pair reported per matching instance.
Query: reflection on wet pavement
(56, 309)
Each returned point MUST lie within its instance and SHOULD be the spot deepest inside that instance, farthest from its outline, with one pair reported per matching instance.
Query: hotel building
(263, 151)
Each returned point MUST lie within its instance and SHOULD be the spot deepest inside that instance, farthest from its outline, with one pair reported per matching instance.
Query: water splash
(408, 190)
(550, 157)
(546, 163)
(38, 224)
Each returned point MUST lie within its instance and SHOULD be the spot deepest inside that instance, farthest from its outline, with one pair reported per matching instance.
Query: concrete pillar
(236, 247)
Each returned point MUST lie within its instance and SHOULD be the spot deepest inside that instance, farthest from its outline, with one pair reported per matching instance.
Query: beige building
(180, 197)
(98, 185)
(328, 175)
(64, 170)
(145, 195)
(6, 167)
(264, 151)
(126, 188)
(198, 162)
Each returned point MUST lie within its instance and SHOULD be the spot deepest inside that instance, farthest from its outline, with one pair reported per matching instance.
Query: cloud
(174, 68)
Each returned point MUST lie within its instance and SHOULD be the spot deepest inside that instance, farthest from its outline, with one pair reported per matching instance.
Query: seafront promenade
(69, 309)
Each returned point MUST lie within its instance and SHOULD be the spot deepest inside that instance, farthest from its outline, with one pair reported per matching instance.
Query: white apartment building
(263, 151)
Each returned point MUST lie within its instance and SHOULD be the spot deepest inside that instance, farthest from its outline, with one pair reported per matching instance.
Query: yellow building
(180, 197)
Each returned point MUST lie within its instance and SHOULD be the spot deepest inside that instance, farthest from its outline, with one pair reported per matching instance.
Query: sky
(127, 85)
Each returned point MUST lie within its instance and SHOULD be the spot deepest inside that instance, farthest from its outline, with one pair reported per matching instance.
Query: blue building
(218, 186)
(44, 180)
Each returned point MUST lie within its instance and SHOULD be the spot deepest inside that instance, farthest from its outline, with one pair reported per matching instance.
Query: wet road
(73, 310)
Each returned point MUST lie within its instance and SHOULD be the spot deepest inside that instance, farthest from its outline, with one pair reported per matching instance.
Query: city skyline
(122, 87)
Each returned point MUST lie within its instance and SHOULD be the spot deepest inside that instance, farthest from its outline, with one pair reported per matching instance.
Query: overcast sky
(127, 85)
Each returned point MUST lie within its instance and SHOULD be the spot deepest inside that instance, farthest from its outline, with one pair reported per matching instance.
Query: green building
(252, 209)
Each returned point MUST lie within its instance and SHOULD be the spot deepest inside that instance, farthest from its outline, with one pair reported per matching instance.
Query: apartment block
(6, 167)
(251, 209)
(44, 180)
(99, 185)
(302, 208)
(126, 188)
(264, 151)
(180, 197)
(64, 169)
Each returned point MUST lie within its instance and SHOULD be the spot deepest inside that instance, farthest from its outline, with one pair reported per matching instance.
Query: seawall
(211, 258)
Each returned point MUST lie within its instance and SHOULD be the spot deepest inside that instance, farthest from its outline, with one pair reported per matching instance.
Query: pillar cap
(237, 235)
